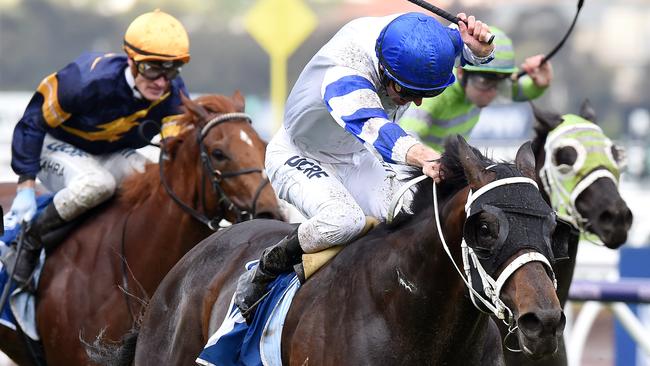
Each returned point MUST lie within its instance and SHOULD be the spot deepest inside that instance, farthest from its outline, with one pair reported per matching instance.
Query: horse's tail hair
(108, 353)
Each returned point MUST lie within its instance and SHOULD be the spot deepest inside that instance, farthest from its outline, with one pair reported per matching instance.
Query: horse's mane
(140, 186)
(454, 174)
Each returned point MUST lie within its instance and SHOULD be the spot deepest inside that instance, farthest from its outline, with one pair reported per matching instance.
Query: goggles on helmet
(152, 70)
(485, 81)
(407, 93)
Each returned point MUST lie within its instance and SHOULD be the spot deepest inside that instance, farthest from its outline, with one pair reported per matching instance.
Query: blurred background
(606, 59)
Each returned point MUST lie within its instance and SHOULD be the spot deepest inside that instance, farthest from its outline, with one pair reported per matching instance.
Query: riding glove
(24, 205)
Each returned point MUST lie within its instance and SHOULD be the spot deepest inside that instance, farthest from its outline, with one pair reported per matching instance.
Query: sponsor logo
(127, 152)
(66, 148)
(52, 167)
(310, 169)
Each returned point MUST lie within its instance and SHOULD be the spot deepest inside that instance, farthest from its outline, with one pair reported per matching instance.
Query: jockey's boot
(46, 222)
(277, 259)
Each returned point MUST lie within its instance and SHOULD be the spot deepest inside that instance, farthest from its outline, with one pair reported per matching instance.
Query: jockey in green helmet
(457, 109)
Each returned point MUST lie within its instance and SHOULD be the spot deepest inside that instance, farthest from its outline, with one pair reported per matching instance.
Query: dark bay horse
(392, 297)
(118, 255)
(579, 168)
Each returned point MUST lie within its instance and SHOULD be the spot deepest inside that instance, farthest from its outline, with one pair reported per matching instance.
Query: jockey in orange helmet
(80, 129)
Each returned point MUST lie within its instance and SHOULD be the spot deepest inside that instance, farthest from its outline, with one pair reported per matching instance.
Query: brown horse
(120, 252)
(391, 297)
(587, 160)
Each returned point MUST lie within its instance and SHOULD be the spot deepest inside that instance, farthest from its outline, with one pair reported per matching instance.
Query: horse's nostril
(530, 324)
(542, 323)
(606, 217)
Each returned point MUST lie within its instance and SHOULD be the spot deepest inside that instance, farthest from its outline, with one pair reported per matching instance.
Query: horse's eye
(566, 155)
(484, 230)
(219, 155)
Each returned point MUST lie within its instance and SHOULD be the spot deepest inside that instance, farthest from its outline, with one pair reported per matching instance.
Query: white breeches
(82, 180)
(335, 198)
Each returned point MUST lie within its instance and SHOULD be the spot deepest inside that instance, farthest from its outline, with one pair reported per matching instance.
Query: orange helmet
(157, 36)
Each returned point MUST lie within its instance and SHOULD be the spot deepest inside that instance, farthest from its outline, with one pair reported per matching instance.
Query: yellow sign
(280, 26)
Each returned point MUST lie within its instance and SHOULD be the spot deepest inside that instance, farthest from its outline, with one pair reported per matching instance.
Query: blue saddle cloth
(237, 344)
(12, 229)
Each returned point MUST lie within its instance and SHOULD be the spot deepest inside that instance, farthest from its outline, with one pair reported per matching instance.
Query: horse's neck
(165, 229)
(444, 309)
(423, 267)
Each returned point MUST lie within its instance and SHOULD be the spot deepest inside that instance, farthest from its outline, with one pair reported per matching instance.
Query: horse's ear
(545, 120)
(194, 108)
(525, 160)
(238, 100)
(587, 111)
(472, 166)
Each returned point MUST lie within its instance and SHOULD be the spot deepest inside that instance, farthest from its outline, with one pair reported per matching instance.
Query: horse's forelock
(454, 172)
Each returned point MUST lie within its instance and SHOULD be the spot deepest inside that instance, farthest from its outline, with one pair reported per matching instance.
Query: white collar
(130, 80)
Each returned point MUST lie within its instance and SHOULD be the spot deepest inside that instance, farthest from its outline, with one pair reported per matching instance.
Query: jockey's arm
(535, 82)
(53, 103)
(354, 104)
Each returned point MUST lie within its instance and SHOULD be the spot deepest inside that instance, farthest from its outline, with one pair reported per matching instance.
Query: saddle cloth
(20, 306)
(237, 344)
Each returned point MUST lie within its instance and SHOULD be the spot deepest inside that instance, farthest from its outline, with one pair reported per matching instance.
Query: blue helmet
(418, 53)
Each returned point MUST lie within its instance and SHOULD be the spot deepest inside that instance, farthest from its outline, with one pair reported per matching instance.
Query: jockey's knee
(84, 192)
(335, 224)
(93, 188)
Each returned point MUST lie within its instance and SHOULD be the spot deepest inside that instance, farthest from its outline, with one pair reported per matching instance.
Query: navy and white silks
(340, 120)
(80, 129)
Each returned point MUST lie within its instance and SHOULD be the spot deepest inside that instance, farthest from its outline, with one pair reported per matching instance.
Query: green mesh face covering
(564, 183)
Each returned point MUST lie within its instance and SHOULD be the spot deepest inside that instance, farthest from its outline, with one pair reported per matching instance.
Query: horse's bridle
(491, 287)
(216, 177)
(563, 189)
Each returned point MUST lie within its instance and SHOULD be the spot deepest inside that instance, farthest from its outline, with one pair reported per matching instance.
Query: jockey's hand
(475, 35)
(24, 205)
(541, 75)
(427, 158)
(434, 170)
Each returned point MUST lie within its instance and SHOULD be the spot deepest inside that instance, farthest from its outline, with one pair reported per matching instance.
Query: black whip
(444, 14)
(559, 45)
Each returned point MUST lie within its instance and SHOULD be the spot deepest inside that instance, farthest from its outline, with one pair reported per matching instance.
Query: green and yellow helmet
(504, 56)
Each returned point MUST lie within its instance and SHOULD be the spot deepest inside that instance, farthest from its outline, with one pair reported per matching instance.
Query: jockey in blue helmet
(337, 156)
(418, 54)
